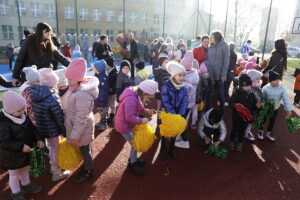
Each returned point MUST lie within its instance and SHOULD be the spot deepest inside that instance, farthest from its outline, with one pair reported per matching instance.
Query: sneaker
(31, 188)
(260, 135)
(134, 167)
(59, 174)
(84, 176)
(239, 147)
(231, 145)
(249, 137)
(183, 144)
(270, 137)
(18, 196)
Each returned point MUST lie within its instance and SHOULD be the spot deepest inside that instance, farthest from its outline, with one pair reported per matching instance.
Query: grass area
(293, 63)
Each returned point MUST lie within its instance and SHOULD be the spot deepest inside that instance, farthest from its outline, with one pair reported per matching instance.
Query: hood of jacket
(24, 87)
(40, 92)
(192, 77)
(128, 92)
(90, 85)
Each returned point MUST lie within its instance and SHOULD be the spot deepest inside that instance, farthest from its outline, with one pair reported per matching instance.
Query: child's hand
(217, 143)
(145, 120)
(288, 114)
(41, 144)
(75, 143)
(259, 105)
(26, 148)
(148, 112)
(207, 140)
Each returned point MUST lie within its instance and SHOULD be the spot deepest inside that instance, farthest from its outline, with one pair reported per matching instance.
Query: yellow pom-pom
(200, 106)
(143, 137)
(68, 157)
(171, 124)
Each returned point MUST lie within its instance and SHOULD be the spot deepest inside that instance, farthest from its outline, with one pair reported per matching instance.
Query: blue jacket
(47, 111)
(174, 101)
(102, 99)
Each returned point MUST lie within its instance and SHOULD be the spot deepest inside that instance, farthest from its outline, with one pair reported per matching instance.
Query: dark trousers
(86, 152)
(297, 96)
(221, 94)
(184, 135)
(238, 128)
(10, 63)
(272, 121)
(164, 143)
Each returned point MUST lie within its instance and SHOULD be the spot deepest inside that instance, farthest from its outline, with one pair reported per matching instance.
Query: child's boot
(163, 148)
(31, 188)
(172, 151)
(102, 125)
(111, 118)
(84, 176)
(18, 196)
(231, 145)
(58, 174)
(134, 167)
(239, 146)
(260, 135)
(140, 162)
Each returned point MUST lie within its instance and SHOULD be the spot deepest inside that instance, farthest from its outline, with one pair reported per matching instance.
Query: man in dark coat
(103, 49)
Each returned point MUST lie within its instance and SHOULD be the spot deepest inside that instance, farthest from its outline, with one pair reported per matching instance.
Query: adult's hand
(15, 82)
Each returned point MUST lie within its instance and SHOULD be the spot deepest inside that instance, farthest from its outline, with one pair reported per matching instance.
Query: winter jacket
(277, 63)
(67, 51)
(232, 63)
(25, 92)
(258, 93)
(277, 94)
(123, 82)
(10, 52)
(141, 76)
(174, 101)
(12, 139)
(47, 111)
(199, 54)
(25, 58)
(217, 60)
(204, 123)
(112, 80)
(297, 83)
(100, 49)
(154, 50)
(4, 82)
(179, 55)
(95, 46)
(133, 51)
(247, 99)
(160, 75)
(79, 118)
(102, 99)
(192, 78)
(129, 110)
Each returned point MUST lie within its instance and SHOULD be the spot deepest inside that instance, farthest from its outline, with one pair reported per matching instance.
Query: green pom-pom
(37, 162)
(218, 152)
(267, 110)
(293, 124)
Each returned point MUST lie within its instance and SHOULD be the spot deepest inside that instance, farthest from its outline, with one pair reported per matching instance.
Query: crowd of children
(55, 104)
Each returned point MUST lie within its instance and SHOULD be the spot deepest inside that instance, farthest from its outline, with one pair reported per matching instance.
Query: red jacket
(199, 54)
(67, 51)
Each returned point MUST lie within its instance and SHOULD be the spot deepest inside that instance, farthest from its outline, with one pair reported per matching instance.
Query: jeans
(133, 154)
(86, 152)
(221, 94)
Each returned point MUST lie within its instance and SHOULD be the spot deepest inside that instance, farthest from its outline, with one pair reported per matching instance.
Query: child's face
(19, 113)
(146, 98)
(275, 83)
(164, 64)
(72, 82)
(183, 48)
(125, 70)
(246, 88)
(179, 78)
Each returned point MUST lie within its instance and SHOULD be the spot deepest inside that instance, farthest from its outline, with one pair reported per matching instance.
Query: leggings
(17, 175)
(53, 150)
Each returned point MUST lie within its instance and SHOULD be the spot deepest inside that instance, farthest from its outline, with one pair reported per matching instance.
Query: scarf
(177, 86)
(16, 120)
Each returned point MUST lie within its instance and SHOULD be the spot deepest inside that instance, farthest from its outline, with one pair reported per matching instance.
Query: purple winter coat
(128, 112)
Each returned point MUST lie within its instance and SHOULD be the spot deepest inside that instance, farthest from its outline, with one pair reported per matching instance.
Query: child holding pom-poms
(17, 137)
(243, 103)
(129, 113)
(274, 91)
(175, 101)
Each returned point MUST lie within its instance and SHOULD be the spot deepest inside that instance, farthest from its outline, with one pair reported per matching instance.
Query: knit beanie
(162, 59)
(140, 65)
(149, 87)
(62, 81)
(125, 63)
(187, 60)
(254, 74)
(76, 70)
(215, 115)
(31, 74)
(48, 77)
(174, 68)
(273, 76)
(100, 65)
(110, 61)
(13, 102)
(252, 60)
(244, 80)
(250, 65)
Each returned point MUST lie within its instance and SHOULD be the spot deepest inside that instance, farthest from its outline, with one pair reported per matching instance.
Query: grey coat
(217, 60)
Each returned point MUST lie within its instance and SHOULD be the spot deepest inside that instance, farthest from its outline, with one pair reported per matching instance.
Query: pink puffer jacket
(128, 111)
(79, 118)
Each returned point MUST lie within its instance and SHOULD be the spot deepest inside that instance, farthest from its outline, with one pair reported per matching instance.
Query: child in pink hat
(17, 137)
(79, 118)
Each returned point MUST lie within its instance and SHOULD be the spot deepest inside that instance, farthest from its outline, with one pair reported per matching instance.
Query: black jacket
(247, 99)
(134, 50)
(25, 58)
(47, 111)
(100, 49)
(4, 82)
(277, 63)
(160, 76)
(112, 81)
(12, 139)
(232, 62)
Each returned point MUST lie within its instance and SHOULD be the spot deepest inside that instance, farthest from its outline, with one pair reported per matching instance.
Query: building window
(156, 19)
(35, 10)
(97, 32)
(7, 32)
(109, 15)
(4, 7)
(96, 14)
(22, 8)
(121, 16)
(49, 11)
(70, 31)
(144, 18)
(120, 31)
(69, 12)
(83, 13)
(133, 17)
(21, 30)
(110, 34)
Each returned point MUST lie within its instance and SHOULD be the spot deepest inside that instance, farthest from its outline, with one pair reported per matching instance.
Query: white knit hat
(62, 80)
(31, 74)
(174, 68)
(254, 74)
